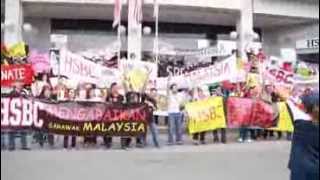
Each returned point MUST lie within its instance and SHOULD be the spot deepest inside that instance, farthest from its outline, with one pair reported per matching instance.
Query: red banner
(13, 73)
(244, 112)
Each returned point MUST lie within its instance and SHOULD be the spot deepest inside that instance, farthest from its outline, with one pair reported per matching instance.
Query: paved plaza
(256, 161)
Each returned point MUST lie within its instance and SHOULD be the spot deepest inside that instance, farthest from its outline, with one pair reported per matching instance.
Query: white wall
(285, 37)
(39, 38)
(290, 8)
(295, 8)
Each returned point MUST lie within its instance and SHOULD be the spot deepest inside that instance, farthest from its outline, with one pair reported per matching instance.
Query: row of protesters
(19, 90)
(199, 94)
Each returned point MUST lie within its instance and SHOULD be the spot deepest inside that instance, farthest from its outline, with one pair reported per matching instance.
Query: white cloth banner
(220, 71)
(77, 68)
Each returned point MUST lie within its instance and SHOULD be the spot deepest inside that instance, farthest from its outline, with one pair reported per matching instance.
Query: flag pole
(156, 14)
(119, 36)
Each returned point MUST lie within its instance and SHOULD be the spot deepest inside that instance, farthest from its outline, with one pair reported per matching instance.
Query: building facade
(280, 24)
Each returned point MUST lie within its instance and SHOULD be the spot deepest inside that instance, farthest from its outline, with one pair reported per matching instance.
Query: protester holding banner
(71, 98)
(268, 95)
(115, 97)
(175, 116)
(18, 91)
(134, 98)
(199, 95)
(245, 130)
(304, 158)
(223, 133)
(45, 95)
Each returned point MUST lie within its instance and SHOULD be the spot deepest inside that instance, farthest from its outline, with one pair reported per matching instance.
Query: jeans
(223, 134)
(175, 127)
(154, 132)
(3, 140)
(23, 139)
(244, 133)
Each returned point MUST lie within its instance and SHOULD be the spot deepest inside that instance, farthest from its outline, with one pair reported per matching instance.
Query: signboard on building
(308, 44)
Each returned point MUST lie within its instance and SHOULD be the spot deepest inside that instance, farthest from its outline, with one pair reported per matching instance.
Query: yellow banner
(285, 121)
(252, 80)
(18, 50)
(136, 79)
(206, 115)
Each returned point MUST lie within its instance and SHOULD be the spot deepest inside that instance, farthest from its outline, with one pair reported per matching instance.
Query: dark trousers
(125, 142)
(23, 138)
(42, 138)
(66, 141)
(223, 135)
(201, 135)
(244, 133)
(107, 141)
(90, 139)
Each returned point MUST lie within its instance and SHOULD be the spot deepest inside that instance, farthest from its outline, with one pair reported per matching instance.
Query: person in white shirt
(175, 122)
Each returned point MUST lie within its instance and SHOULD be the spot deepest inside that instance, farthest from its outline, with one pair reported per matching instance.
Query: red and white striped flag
(156, 8)
(117, 13)
(135, 11)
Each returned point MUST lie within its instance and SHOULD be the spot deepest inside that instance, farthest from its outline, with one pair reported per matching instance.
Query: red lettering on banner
(281, 76)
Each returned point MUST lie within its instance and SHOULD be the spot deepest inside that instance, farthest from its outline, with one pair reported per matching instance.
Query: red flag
(117, 13)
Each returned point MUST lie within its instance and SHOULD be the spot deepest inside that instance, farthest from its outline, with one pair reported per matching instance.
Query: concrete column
(14, 19)
(245, 27)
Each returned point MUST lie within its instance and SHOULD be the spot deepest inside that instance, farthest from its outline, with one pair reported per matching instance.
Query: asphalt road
(255, 161)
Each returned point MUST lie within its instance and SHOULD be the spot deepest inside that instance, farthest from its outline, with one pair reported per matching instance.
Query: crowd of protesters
(176, 119)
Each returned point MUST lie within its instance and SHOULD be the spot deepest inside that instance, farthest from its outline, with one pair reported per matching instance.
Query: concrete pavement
(256, 161)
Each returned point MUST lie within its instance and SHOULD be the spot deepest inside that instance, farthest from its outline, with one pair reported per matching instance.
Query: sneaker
(195, 142)
(125, 148)
(179, 143)
(203, 142)
(139, 145)
(240, 140)
(26, 149)
(249, 140)
(170, 144)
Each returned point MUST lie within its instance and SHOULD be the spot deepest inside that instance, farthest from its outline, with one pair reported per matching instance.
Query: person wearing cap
(304, 156)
